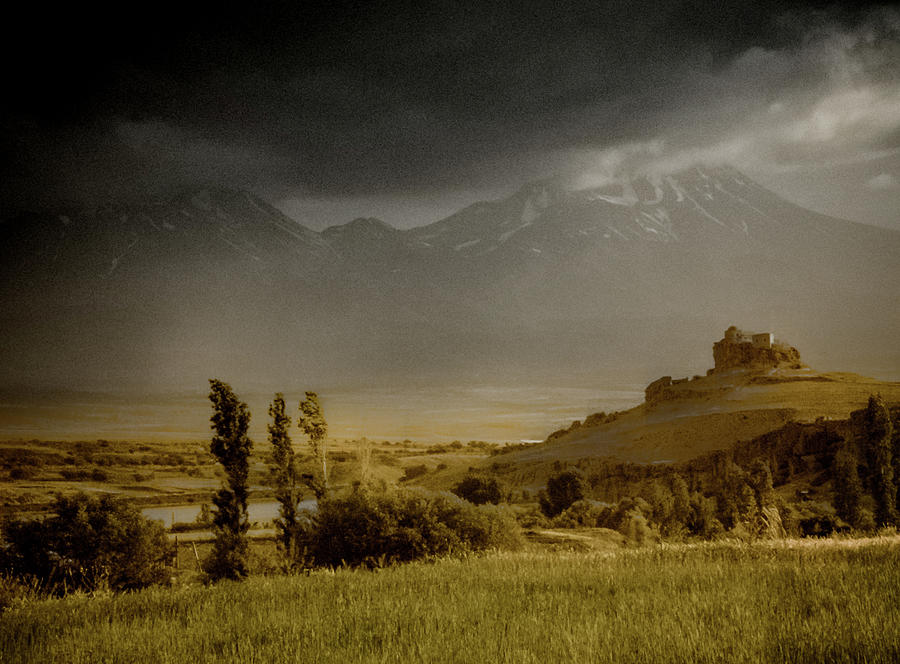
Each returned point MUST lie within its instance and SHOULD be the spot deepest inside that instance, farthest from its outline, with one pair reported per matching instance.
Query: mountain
(550, 282)
(126, 294)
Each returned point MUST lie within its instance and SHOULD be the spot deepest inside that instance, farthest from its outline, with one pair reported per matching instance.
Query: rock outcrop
(740, 351)
(668, 389)
(656, 391)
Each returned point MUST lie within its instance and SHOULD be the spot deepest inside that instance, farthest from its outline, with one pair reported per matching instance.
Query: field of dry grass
(178, 473)
(787, 601)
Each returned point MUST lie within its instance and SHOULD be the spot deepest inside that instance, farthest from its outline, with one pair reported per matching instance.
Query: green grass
(799, 602)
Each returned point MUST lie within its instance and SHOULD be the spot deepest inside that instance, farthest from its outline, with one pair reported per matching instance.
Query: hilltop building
(736, 351)
(759, 340)
(741, 350)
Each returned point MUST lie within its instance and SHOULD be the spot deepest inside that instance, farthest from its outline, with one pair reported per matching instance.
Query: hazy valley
(598, 286)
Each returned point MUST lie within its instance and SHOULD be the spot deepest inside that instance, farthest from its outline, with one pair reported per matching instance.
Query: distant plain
(427, 414)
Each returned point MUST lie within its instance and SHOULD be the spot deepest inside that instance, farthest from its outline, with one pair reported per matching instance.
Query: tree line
(850, 470)
(231, 445)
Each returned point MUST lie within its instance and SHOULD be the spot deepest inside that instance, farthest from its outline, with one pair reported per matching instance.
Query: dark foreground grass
(831, 601)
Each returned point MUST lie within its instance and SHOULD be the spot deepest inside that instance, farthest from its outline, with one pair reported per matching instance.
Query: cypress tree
(286, 477)
(847, 486)
(878, 439)
(682, 500)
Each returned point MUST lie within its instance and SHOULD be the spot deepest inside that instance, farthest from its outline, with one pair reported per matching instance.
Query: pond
(261, 511)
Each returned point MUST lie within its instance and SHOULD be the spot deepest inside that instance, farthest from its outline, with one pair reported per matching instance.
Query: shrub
(88, 543)
(168, 460)
(532, 517)
(629, 517)
(584, 514)
(702, 520)
(479, 490)
(21, 473)
(368, 528)
(636, 528)
(11, 457)
(412, 472)
(77, 474)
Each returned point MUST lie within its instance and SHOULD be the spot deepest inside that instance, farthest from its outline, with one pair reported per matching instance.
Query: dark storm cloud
(353, 100)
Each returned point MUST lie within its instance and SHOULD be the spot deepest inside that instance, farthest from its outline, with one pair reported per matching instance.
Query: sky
(409, 111)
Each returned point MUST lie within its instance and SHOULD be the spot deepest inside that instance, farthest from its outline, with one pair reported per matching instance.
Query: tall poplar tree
(284, 470)
(231, 446)
(312, 422)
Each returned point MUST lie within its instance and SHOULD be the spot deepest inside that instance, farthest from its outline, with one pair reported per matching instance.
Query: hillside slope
(691, 418)
(718, 412)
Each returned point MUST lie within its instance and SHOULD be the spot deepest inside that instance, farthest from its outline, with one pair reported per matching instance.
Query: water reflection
(260, 511)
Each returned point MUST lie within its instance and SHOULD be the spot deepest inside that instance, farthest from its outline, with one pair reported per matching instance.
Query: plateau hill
(684, 419)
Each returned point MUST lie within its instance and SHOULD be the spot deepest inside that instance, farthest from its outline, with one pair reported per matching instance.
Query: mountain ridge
(544, 282)
(619, 211)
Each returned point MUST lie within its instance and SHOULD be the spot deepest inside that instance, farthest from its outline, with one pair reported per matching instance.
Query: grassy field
(184, 472)
(789, 601)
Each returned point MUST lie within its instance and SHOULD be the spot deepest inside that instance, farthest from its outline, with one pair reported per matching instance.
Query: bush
(629, 517)
(532, 517)
(412, 472)
(168, 460)
(562, 490)
(636, 528)
(21, 473)
(479, 490)
(374, 529)
(583, 514)
(87, 544)
(77, 474)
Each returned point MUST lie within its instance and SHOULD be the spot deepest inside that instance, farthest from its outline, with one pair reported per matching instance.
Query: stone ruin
(737, 350)
(740, 350)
